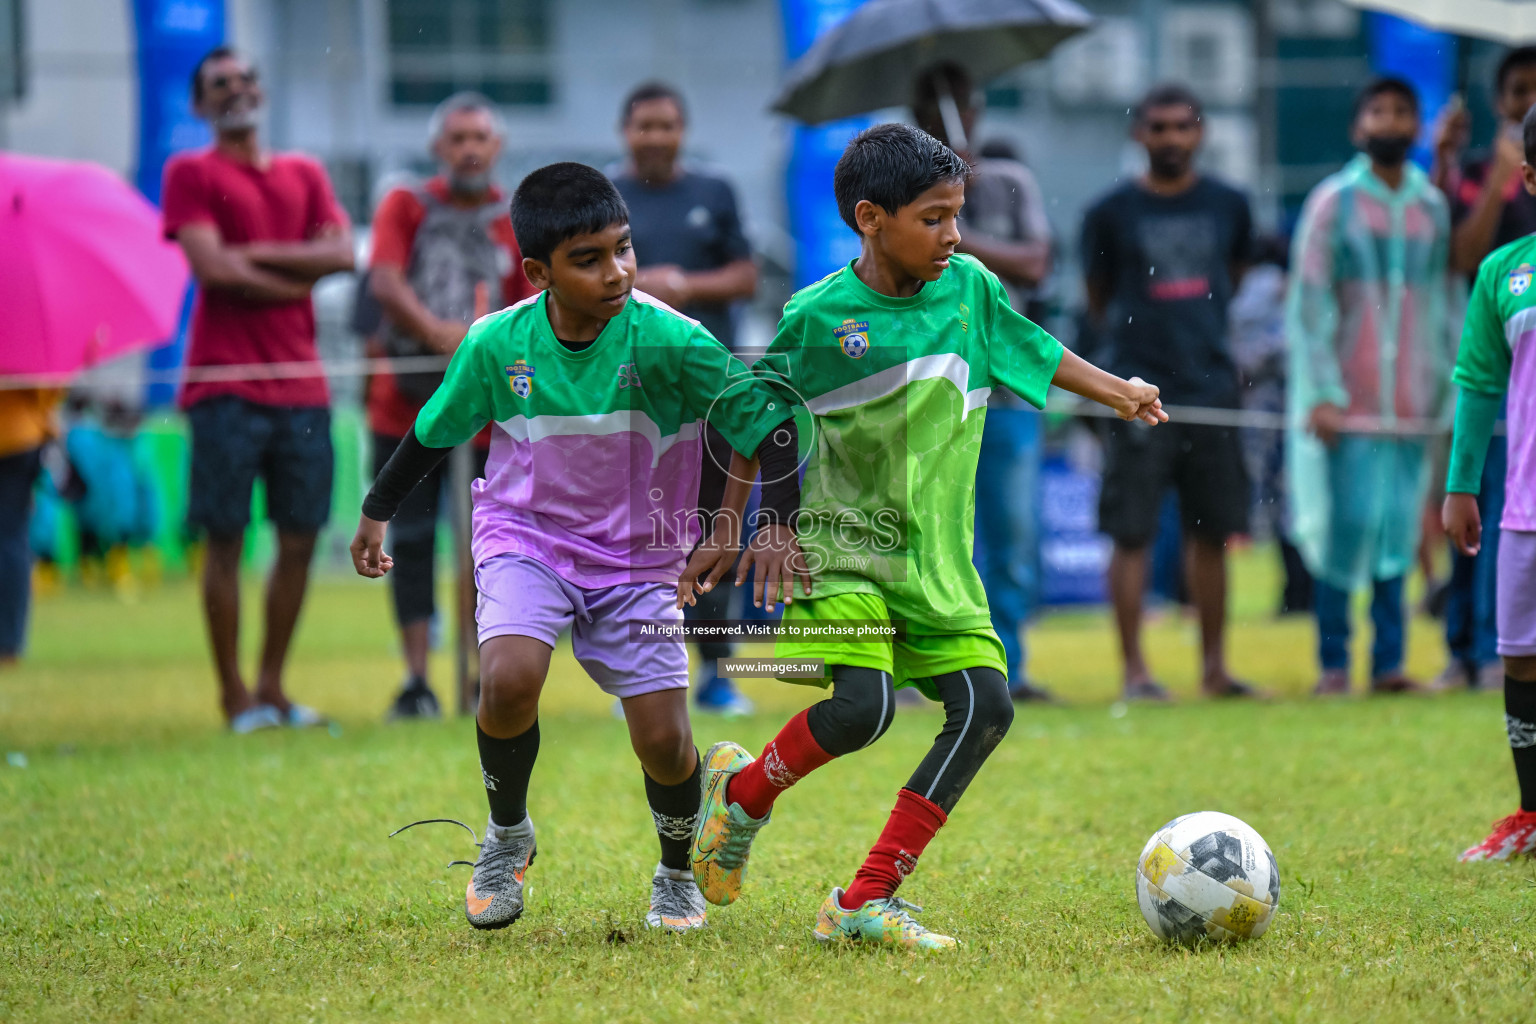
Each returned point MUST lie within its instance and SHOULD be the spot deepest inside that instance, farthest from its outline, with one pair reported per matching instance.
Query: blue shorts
(235, 441)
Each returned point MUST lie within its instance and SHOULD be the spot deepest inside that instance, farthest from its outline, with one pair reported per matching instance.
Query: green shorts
(913, 661)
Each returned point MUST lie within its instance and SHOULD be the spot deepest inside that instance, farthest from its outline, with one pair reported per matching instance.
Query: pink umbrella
(84, 271)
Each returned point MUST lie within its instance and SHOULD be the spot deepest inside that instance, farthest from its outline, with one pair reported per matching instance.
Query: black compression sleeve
(411, 461)
(778, 455)
(712, 476)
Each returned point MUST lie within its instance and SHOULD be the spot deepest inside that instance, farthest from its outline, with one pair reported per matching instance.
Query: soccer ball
(1207, 876)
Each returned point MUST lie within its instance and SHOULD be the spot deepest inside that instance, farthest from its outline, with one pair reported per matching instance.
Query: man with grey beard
(443, 254)
(258, 229)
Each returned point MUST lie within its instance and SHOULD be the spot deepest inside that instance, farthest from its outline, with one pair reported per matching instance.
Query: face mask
(469, 184)
(1388, 150)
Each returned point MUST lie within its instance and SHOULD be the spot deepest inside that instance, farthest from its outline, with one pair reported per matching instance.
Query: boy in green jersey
(1498, 355)
(893, 357)
(601, 399)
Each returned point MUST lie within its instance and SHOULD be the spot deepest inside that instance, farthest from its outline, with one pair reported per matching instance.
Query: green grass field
(154, 868)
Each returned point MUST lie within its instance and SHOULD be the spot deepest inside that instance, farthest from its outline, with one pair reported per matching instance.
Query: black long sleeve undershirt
(778, 456)
(411, 461)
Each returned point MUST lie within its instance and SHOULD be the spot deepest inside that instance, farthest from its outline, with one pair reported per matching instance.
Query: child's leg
(977, 714)
(663, 741)
(1520, 721)
(512, 672)
(859, 711)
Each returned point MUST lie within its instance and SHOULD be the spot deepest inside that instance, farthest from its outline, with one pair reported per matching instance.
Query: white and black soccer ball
(1207, 876)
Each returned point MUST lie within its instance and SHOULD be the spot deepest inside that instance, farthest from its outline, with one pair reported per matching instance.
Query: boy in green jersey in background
(1498, 354)
(894, 357)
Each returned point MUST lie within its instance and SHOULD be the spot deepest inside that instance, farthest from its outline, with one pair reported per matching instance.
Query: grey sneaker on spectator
(1490, 678)
(1334, 682)
(1146, 690)
(1394, 683)
(254, 719)
(1455, 676)
(676, 903)
(415, 700)
(1027, 691)
(301, 717)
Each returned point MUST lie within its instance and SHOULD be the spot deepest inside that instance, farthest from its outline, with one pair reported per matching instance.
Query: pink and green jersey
(897, 393)
(1498, 354)
(595, 454)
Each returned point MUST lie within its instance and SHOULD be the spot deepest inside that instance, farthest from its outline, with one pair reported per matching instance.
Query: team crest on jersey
(1520, 279)
(853, 337)
(520, 376)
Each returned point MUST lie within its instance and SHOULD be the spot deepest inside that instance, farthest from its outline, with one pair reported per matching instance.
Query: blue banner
(172, 37)
(823, 243)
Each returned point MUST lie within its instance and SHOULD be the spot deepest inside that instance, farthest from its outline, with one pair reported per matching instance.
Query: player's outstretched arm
(1132, 399)
(405, 468)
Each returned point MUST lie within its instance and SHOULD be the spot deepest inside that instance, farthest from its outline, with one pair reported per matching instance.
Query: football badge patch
(853, 337)
(520, 376)
(1520, 279)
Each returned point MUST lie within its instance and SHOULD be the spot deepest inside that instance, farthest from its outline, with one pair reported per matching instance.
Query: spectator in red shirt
(443, 254)
(259, 229)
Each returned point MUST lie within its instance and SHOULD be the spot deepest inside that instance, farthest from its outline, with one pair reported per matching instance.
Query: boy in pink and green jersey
(602, 400)
(1498, 355)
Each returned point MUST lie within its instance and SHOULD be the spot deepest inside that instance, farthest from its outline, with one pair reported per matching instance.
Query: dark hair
(217, 53)
(559, 202)
(891, 165)
(1168, 94)
(1528, 131)
(1383, 86)
(1514, 60)
(652, 90)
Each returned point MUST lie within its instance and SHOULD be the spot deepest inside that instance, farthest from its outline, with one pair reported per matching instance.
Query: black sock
(675, 810)
(505, 766)
(1520, 720)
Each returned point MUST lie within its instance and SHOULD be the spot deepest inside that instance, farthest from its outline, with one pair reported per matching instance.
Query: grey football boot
(494, 896)
(676, 903)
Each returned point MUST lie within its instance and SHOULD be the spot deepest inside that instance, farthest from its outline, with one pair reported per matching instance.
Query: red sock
(789, 757)
(911, 825)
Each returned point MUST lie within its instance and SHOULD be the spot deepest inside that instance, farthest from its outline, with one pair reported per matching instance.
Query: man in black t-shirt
(692, 255)
(1162, 256)
(687, 234)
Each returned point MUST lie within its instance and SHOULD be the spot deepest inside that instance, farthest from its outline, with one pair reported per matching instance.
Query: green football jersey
(595, 455)
(1498, 353)
(897, 392)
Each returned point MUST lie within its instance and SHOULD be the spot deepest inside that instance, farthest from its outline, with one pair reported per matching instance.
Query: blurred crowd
(1314, 367)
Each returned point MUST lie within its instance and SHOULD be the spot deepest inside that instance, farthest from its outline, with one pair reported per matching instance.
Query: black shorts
(235, 441)
(1203, 464)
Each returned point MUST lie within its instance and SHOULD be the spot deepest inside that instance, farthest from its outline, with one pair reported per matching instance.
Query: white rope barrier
(363, 367)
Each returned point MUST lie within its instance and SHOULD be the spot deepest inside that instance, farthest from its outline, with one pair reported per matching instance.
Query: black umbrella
(869, 60)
